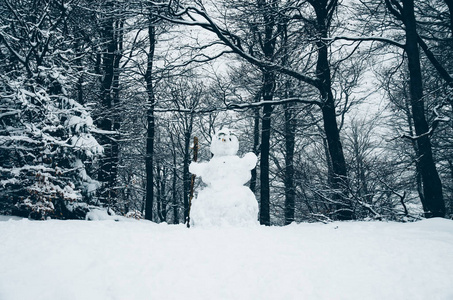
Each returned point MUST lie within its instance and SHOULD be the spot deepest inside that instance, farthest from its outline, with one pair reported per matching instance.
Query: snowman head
(224, 142)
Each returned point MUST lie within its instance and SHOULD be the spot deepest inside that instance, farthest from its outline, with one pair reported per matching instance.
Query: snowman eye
(230, 139)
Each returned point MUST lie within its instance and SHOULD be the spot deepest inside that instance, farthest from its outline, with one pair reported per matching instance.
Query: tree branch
(234, 106)
(234, 43)
(442, 72)
(368, 38)
(439, 118)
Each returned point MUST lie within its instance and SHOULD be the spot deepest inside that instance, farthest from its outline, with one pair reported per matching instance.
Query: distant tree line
(347, 105)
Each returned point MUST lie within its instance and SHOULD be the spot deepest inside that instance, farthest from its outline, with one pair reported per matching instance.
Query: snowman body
(225, 201)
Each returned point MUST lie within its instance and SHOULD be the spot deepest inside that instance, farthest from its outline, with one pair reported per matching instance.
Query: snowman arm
(250, 160)
(197, 168)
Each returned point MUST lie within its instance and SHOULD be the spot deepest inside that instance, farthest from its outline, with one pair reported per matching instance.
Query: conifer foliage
(45, 135)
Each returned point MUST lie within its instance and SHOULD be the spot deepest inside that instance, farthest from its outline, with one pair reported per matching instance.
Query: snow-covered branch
(438, 119)
(367, 38)
(234, 106)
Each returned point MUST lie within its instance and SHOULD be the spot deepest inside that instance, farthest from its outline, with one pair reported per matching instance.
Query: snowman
(225, 200)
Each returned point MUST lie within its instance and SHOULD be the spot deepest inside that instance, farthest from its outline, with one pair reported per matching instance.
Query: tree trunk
(264, 166)
(163, 207)
(116, 116)
(418, 177)
(290, 192)
(256, 142)
(107, 170)
(339, 179)
(290, 132)
(159, 192)
(339, 176)
(433, 203)
(186, 162)
(149, 202)
(268, 95)
(174, 193)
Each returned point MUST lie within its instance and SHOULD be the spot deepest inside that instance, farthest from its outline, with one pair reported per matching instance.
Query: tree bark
(256, 141)
(186, 162)
(150, 131)
(264, 166)
(175, 195)
(268, 48)
(159, 192)
(290, 192)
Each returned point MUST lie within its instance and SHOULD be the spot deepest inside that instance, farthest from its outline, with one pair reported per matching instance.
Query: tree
(150, 131)
(433, 202)
(404, 12)
(111, 33)
(46, 137)
(268, 36)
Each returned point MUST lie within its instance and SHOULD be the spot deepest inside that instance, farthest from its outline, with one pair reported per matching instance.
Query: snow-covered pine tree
(45, 136)
(45, 142)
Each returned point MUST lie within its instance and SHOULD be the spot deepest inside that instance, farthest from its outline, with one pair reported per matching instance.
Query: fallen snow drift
(142, 260)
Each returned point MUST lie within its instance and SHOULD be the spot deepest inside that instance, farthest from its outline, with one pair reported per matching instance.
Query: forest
(347, 104)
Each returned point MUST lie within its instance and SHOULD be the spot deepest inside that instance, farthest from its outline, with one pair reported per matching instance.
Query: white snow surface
(143, 260)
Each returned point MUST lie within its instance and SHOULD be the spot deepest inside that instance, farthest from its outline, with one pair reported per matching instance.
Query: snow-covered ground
(142, 260)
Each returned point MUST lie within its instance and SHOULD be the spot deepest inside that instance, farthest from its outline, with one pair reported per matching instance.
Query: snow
(224, 142)
(87, 143)
(9, 181)
(78, 122)
(101, 214)
(225, 201)
(143, 260)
